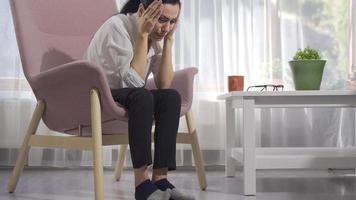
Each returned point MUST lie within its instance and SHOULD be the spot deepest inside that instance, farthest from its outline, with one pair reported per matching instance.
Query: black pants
(144, 106)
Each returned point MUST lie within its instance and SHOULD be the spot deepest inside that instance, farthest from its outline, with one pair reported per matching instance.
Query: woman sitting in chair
(129, 46)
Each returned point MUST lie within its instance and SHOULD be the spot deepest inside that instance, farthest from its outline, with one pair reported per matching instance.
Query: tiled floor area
(77, 184)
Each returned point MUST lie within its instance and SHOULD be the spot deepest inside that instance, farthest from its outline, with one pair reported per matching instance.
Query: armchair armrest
(183, 83)
(66, 92)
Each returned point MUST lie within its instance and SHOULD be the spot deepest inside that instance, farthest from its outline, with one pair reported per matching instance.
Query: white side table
(254, 158)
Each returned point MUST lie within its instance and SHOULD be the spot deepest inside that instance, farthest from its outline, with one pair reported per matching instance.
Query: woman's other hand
(170, 34)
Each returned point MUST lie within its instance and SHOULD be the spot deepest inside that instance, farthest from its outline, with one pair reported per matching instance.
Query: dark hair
(132, 5)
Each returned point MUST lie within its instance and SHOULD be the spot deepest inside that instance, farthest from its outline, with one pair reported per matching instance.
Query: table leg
(249, 156)
(354, 112)
(230, 139)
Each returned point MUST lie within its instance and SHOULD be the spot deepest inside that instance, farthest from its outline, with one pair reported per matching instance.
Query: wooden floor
(70, 184)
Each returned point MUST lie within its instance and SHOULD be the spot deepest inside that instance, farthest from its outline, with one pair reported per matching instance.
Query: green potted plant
(307, 67)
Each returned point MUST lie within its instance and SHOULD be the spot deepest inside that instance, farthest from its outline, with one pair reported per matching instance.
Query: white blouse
(112, 48)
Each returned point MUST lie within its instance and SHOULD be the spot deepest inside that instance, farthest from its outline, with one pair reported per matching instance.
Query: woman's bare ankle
(157, 178)
(141, 174)
(159, 174)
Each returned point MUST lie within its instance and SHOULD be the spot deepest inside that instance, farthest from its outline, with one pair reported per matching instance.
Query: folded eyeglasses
(267, 87)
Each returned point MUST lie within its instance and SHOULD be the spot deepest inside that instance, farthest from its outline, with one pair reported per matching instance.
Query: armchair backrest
(54, 32)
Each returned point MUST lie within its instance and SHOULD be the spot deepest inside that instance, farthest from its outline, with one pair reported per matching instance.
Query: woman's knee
(142, 97)
(172, 96)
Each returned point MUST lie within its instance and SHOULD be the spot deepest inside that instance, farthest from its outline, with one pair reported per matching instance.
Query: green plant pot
(307, 74)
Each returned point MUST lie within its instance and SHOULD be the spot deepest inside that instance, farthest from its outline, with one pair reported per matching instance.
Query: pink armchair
(73, 94)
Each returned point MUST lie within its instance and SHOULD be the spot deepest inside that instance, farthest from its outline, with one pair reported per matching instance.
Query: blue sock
(145, 189)
(164, 184)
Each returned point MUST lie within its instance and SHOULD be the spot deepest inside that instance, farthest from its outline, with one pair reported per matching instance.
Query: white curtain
(254, 38)
(257, 38)
(352, 44)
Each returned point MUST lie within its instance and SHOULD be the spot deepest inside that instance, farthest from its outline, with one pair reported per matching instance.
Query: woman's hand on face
(170, 34)
(148, 18)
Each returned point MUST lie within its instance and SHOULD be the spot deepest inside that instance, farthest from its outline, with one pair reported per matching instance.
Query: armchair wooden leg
(97, 144)
(199, 166)
(22, 156)
(120, 162)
